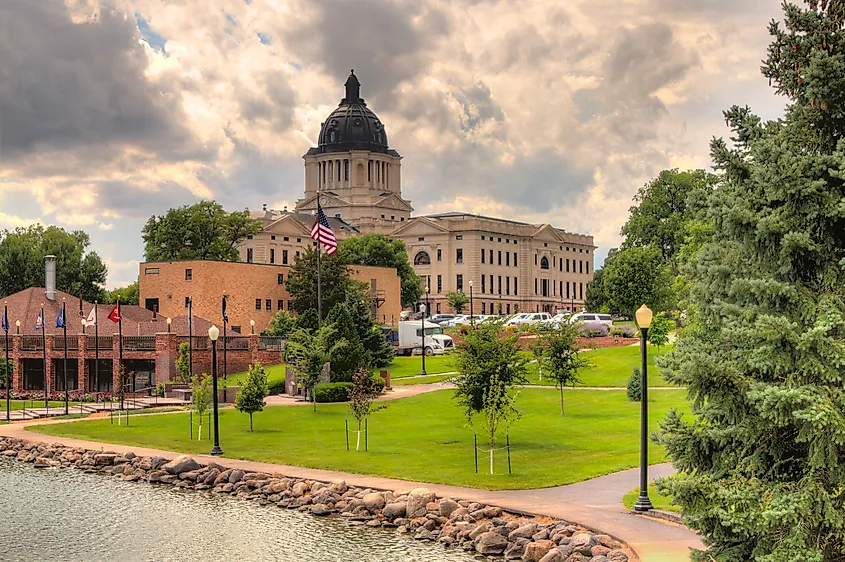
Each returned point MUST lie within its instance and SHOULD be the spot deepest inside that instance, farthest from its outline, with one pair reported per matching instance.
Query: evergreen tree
(183, 362)
(251, 395)
(335, 282)
(761, 468)
(281, 324)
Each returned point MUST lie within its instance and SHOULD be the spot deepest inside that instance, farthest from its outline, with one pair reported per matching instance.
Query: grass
(612, 366)
(422, 438)
(402, 367)
(658, 501)
(409, 381)
(275, 375)
(30, 404)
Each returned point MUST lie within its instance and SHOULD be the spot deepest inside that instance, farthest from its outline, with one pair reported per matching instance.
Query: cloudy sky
(539, 110)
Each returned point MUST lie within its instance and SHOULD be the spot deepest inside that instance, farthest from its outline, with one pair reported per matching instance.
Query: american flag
(322, 232)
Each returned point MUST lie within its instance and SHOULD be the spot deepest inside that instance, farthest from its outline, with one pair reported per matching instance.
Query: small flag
(225, 315)
(39, 322)
(322, 232)
(60, 321)
(5, 323)
(92, 316)
(114, 315)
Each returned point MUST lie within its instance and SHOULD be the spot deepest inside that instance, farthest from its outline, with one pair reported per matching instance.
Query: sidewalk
(595, 503)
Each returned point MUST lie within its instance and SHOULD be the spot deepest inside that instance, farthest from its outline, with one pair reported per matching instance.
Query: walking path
(595, 503)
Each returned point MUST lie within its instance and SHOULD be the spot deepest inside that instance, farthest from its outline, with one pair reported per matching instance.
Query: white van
(605, 319)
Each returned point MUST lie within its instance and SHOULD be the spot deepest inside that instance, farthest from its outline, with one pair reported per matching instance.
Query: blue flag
(39, 323)
(60, 321)
(225, 315)
(5, 323)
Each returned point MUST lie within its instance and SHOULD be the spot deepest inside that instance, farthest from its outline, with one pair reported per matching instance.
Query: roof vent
(50, 277)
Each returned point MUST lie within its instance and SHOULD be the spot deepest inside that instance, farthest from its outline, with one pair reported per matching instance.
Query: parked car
(588, 317)
(440, 318)
(529, 318)
(516, 319)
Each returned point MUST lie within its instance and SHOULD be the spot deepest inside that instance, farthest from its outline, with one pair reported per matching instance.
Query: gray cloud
(387, 42)
(128, 202)
(73, 86)
(276, 105)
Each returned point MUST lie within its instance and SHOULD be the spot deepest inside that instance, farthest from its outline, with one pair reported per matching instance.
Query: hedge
(333, 392)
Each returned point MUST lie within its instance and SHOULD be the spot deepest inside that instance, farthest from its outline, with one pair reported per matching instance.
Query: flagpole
(190, 338)
(7, 370)
(44, 354)
(225, 321)
(64, 333)
(319, 267)
(96, 349)
(120, 337)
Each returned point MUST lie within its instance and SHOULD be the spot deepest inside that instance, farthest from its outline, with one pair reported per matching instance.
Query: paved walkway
(595, 503)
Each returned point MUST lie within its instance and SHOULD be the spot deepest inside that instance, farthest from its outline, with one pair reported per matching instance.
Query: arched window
(544, 263)
(332, 136)
(422, 258)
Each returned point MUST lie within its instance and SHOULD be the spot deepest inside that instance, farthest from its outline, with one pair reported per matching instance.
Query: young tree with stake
(365, 389)
(201, 393)
(559, 352)
(250, 397)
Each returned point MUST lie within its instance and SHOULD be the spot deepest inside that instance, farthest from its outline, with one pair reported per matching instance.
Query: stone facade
(542, 268)
(254, 291)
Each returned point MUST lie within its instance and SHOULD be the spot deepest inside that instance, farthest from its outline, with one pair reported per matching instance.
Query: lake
(71, 515)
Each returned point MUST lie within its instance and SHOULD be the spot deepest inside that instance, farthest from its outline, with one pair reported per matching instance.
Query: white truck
(410, 338)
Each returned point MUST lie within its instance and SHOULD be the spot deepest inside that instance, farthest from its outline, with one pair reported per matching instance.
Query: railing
(139, 343)
(200, 343)
(71, 343)
(238, 343)
(271, 343)
(32, 343)
(98, 343)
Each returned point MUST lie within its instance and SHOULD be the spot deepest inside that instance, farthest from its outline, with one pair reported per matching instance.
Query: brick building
(254, 291)
(150, 346)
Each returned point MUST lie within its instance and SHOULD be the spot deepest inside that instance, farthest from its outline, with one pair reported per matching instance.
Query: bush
(277, 387)
(333, 392)
(512, 329)
(635, 385)
(592, 329)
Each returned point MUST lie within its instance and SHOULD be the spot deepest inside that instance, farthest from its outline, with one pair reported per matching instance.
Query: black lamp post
(471, 321)
(422, 318)
(252, 327)
(6, 369)
(169, 322)
(644, 316)
(427, 300)
(213, 334)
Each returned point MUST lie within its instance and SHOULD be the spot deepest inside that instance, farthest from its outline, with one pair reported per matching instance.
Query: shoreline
(470, 525)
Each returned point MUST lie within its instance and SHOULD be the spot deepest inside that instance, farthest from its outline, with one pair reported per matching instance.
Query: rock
(338, 487)
(299, 489)
(448, 507)
(524, 532)
(320, 509)
(459, 513)
(424, 534)
(480, 530)
(236, 476)
(180, 464)
(130, 455)
(535, 551)
(156, 476)
(491, 542)
(553, 555)
(492, 511)
(317, 486)
(374, 501)
(41, 462)
(581, 540)
(121, 460)
(211, 476)
(515, 550)
(394, 510)
(157, 462)
(418, 498)
(103, 459)
(598, 559)
(192, 475)
(599, 550)
(617, 556)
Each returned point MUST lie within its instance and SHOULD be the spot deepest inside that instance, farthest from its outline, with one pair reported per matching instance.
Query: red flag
(114, 315)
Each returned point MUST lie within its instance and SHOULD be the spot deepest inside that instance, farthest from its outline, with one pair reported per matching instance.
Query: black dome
(352, 126)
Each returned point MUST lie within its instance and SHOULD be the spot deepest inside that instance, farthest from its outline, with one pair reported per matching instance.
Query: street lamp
(644, 316)
(422, 317)
(252, 327)
(471, 322)
(169, 322)
(84, 323)
(17, 327)
(213, 334)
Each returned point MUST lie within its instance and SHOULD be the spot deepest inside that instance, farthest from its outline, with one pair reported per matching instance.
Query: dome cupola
(352, 126)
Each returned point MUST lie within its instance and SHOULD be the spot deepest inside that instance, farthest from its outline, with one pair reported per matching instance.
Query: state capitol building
(525, 267)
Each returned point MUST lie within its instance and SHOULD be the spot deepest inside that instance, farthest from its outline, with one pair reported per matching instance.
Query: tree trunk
(199, 435)
(358, 442)
(250, 421)
(561, 400)
(314, 397)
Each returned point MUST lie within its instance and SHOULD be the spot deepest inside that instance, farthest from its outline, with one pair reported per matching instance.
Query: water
(70, 515)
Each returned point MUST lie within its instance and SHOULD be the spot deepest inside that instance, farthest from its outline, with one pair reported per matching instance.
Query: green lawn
(410, 366)
(422, 438)
(408, 381)
(29, 404)
(658, 501)
(612, 367)
(275, 375)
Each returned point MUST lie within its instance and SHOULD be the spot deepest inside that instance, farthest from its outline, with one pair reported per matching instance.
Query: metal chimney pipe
(50, 277)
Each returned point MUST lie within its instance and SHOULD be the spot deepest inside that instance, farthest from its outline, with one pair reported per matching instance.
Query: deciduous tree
(559, 352)
(457, 300)
(253, 391)
(78, 271)
(202, 231)
(127, 294)
(637, 276)
(362, 398)
(379, 250)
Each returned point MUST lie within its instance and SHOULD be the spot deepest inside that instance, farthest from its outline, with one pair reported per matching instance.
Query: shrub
(635, 385)
(592, 329)
(333, 392)
(512, 329)
(277, 387)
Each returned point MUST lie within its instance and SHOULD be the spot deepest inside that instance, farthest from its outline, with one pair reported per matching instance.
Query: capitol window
(422, 258)
(544, 263)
